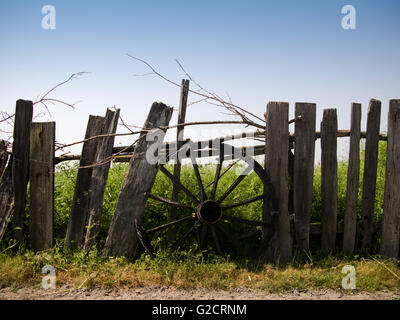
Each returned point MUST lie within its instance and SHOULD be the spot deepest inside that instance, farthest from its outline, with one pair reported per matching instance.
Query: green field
(189, 268)
(156, 212)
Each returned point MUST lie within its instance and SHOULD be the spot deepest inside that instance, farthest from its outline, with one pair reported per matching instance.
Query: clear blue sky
(257, 51)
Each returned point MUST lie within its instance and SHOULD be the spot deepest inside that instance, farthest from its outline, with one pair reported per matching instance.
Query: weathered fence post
(303, 171)
(99, 176)
(391, 212)
(276, 165)
(6, 197)
(353, 175)
(20, 150)
(370, 170)
(41, 176)
(179, 141)
(122, 236)
(329, 180)
(78, 216)
(3, 156)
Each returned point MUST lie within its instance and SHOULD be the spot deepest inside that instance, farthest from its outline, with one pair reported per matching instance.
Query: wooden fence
(33, 159)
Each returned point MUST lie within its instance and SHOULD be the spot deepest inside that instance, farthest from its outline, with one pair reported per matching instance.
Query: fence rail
(289, 157)
(201, 153)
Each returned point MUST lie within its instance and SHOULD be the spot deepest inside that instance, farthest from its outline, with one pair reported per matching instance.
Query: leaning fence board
(99, 176)
(41, 176)
(353, 175)
(122, 237)
(179, 142)
(78, 215)
(276, 165)
(22, 124)
(370, 170)
(304, 171)
(6, 198)
(329, 180)
(391, 212)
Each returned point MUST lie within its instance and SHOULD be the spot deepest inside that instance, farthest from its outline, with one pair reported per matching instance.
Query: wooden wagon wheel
(209, 216)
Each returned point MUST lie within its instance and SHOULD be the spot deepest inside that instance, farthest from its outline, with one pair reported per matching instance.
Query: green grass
(191, 270)
(188, 268)
(342, 183)
(156, 212)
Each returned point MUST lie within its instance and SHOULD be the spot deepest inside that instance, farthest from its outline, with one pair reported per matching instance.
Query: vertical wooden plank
(353, 175)
(3, 156)
(20, 150)
(329, 180)
(179, 142)
(304, 171)
(6, 198)
(291, 178)
(276, 165)
(78, 216)
(99, 177)
(370, 169)
(391, 212)
(122, 237)
(41, 176)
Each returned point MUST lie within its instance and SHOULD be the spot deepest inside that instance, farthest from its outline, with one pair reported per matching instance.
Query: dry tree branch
(207, 95)
(217, 98)
(8, 121)
(73, 76)
(197, 101)
(123, 122)
(44, 100)
(110, 158)
(145, 131)
(6, 116)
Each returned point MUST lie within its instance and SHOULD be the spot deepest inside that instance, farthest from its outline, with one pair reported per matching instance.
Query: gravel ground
(67, 292)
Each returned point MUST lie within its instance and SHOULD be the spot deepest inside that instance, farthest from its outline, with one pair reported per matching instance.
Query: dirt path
(67, 292)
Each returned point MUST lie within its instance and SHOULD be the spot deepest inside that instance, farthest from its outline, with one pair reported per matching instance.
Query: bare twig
(229, 105)
(384, 265)
(145, 131)
(6, 116)
(73, 76)
(207, 95)
(44, 100)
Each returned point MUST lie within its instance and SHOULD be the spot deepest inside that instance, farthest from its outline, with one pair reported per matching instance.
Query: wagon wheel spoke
(144, 240)
(251, 233)
(219, 175)
(217, 172)
(170, 224)
(245, 221)
(216, 241)
(187, 234)
(230, 166)
(168, 201)
(216, 179)
(231, 238)
(260, 197)
(231, 188)
(198, 178)
(179, 184)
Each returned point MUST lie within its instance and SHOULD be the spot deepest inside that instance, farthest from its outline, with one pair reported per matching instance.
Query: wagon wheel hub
(209, 212)
(209, 209)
